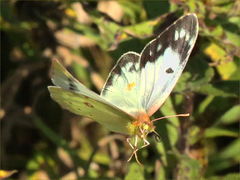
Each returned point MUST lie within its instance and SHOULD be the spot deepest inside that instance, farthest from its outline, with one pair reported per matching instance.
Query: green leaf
(235, 20)
(198, 74)
(222, 88)
(191, 5)
(218, 56)
(141, 30)
(200, 70)
(181, 84)
(231, 151)
(162, 151)
(155, 8)
(135, 172)
(131, 9)
(218, 31)
(187, 168)
(234, 38)
(213, 132)
(219, 165)
(204, 104)
(231, 116)
(236, 74)
(109, 30)
(222, 7)
(172, 124)
(232, 176)
(160, 171)
(225, 159)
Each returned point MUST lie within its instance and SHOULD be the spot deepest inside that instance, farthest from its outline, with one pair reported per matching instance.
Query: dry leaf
(73, 40)
(81, 14)
(112, 9)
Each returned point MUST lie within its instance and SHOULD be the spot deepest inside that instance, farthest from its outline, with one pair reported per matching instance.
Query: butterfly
(136, 87)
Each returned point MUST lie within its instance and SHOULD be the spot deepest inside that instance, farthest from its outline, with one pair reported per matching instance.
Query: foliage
(42, 141)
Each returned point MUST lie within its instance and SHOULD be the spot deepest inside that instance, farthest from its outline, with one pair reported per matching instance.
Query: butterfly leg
(135, 149)
(146, 143)
(130, 144)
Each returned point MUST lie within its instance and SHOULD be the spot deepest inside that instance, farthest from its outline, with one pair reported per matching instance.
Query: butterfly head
(142, 126)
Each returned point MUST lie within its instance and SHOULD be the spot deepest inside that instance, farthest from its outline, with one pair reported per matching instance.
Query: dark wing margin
(172, 37)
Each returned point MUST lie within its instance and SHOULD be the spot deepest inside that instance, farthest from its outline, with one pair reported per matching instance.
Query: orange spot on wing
(130, 86)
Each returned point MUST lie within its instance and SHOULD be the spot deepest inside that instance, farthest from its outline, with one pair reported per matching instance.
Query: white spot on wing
(159, 47)
(182, 33)
(150, 53)
(176, 36)
(171, 57)
(187, 36)
(128, 66)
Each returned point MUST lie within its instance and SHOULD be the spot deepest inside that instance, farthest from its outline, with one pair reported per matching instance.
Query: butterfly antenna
(171, 116)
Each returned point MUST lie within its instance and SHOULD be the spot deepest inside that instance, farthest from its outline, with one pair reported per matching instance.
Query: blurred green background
(41, 141)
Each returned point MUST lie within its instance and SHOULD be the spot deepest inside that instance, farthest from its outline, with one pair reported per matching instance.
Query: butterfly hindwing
(163, 60)
(109, 116)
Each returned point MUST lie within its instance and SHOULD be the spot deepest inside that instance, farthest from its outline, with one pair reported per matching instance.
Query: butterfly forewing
(163, 60)
(122, 86)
